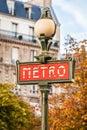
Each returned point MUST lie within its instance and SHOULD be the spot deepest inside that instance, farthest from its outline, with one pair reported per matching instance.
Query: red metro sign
(53, 72)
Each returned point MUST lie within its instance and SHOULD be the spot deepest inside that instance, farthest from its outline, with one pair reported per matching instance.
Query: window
(1, 58)
(10, 6)
(33, 89)
(28, 12)
(14, 55)
(31, 33)
(0, 23)
(14, 29)
(33, 53)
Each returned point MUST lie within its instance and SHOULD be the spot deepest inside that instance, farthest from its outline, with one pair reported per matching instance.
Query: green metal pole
(44, 94)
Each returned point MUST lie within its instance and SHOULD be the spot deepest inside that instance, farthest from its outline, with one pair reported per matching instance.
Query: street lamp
(45, 29)
(46, 70)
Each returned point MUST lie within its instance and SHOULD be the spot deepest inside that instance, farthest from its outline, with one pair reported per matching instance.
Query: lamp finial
(46, 13)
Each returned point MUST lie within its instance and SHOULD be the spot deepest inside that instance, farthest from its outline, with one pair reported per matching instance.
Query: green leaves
(15, 114)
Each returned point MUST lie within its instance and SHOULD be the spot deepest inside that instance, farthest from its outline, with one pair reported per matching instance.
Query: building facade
(18, 40)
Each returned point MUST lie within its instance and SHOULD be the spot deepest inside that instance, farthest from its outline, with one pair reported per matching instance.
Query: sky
(72, 16)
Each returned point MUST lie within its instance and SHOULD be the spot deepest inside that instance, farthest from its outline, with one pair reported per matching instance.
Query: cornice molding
(14, 41)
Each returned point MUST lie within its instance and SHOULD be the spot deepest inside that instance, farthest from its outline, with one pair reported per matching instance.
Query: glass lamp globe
(45, 26)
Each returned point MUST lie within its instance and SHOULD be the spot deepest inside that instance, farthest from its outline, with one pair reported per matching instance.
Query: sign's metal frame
(69, 80)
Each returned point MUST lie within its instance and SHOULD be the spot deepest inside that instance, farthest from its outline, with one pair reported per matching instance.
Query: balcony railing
(24, 37)
(18, 36)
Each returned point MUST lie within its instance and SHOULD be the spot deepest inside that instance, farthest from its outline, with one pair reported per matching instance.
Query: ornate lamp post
(45, 29)
(41, 72)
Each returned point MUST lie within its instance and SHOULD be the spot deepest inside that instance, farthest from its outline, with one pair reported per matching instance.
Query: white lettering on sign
(35, 72)
(25, 70)
(61, 68)
(51, 71)
(43, 68)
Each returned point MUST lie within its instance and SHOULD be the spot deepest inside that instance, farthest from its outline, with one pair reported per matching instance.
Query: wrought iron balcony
(18, 36)
(23, 37)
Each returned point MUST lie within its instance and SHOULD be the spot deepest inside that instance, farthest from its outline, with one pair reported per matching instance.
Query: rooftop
(20, 9)
(24, 10)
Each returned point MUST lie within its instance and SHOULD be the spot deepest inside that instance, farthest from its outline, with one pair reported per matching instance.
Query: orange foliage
(68, 111)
